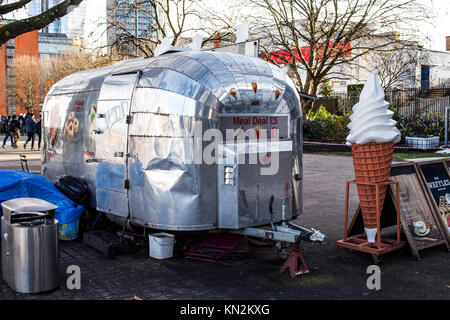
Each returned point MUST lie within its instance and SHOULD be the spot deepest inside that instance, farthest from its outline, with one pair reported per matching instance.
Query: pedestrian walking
(30, 127)
(39, 131)
(17, 131)
(5, 121)
(17, 135)
(13, 128)
(21, 123)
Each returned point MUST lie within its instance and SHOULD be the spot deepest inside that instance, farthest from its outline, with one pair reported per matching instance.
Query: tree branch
(16, 28)
(7, 8)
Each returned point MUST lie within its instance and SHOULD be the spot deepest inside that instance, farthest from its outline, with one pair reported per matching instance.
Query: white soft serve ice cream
(371, 120)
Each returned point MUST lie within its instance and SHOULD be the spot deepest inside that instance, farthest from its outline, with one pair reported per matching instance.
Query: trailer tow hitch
(281, 235)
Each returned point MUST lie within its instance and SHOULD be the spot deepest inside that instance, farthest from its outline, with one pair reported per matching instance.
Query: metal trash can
(30, 258)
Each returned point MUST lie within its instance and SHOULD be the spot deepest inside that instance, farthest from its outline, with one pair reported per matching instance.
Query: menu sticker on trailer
(78, 105)
(437, 179)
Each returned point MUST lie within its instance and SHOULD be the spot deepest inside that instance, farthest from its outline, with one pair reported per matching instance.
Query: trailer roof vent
(166, 47)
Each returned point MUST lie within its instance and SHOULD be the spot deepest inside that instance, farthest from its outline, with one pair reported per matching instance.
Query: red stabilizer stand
(216, 246)
(292, 263)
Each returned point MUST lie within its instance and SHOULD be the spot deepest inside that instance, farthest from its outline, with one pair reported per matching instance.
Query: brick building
(23, 45)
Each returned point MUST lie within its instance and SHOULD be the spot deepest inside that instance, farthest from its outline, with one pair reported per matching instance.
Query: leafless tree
(16, 28)
(397, 68)
(167, 17)
(314, 36)
(170, 19)
(55, 68)
(220, 26)
(34, 77)
(27, 82)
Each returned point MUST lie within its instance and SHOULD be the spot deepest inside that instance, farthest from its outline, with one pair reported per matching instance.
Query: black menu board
(436, 177)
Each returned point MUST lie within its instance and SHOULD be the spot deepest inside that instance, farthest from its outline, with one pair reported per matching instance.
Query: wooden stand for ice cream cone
(359, 242)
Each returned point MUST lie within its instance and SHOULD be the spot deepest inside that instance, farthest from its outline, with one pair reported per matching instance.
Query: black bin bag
(76, 189)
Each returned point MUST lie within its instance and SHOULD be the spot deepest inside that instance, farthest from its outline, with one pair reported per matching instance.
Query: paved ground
(9, 157)
(256, 275)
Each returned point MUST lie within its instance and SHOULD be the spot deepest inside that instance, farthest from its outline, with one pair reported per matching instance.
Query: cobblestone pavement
(124, 277)
(256, 275)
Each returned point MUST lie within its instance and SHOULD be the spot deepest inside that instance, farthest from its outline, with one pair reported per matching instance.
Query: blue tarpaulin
(20, 184)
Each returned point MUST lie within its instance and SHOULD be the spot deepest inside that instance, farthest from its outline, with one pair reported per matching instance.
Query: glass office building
(97, 23)
(134, 15)
(57, 37)
(38, 6)
(74, 22)
(71, 24)
(52, 44)
(133, 18)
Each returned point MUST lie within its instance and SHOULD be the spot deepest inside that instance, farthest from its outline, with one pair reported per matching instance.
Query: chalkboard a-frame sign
(415, 207)
(437, 178)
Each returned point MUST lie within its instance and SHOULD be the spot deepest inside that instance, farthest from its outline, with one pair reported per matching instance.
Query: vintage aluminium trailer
(133, 131)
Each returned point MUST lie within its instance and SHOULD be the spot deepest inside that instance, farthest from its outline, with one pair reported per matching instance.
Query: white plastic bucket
(161, 245)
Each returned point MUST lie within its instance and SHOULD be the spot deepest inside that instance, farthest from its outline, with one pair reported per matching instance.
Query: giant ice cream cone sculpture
(372, 136)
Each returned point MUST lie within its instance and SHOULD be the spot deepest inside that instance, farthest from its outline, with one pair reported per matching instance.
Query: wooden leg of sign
(376, 259)
(347, 184)
(397, 200)
(377, 192)
(402, 224)
(414, 251)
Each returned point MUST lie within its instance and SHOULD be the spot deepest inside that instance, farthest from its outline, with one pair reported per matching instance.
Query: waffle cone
(372, 163)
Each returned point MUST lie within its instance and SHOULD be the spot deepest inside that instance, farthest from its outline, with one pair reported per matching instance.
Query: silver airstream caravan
(136, 132)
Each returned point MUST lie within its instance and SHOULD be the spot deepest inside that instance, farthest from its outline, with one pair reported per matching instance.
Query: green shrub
(420, 125)
(313, 129)
(323, 125)
(406, 131)
(435, 129)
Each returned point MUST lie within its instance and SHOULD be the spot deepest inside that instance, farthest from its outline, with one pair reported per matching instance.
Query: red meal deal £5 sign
(253, 120)
(275, 125)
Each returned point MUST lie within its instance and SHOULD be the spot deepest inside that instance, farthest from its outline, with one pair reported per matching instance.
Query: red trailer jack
(292, 262)
(282, 235)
